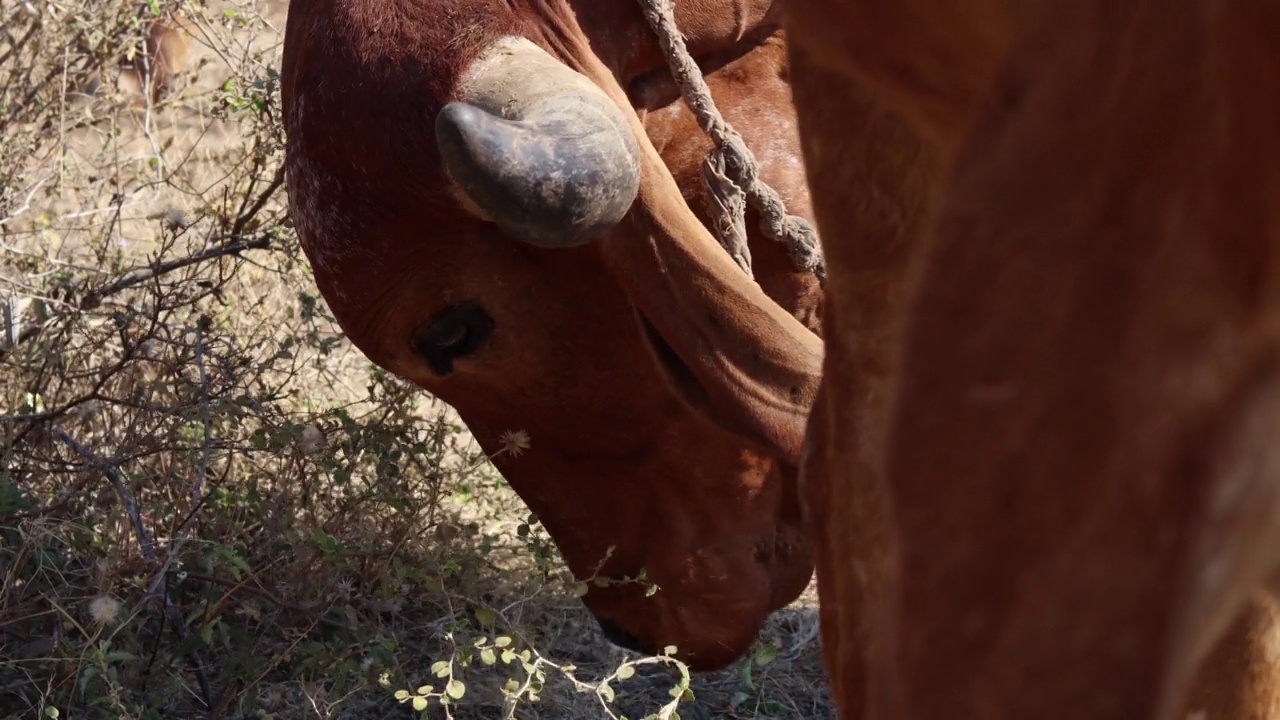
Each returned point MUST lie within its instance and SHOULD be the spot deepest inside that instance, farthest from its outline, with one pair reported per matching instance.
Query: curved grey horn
(538, 148)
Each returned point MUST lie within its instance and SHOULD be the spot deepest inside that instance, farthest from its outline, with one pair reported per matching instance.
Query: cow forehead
(362, 82)
(362, 183)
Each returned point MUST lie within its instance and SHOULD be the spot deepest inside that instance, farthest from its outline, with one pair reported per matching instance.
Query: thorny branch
(126, 498)
(26, 202)
(139, 275)
(197, 483)
(149, 552)
(143, 274)
(252, 211)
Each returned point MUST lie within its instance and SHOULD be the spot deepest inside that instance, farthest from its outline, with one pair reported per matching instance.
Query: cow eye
(455, 332)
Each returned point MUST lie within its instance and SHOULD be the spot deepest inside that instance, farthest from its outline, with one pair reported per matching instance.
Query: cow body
(646, 455)
(1042, 472)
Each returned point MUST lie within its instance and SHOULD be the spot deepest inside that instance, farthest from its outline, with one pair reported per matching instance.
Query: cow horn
(538, 148)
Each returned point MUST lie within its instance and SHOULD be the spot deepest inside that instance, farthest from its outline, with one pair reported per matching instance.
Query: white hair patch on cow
(324, 227)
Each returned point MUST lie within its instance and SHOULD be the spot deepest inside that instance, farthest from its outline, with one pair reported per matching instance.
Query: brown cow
(1042, 472)
(165, 52)
(466, 201)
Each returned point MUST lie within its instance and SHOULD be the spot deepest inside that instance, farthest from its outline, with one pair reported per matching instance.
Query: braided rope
(730, 170)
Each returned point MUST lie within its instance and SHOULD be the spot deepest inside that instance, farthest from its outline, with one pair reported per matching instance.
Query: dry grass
(211, 505)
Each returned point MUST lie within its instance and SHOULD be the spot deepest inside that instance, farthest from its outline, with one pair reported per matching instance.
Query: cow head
(486, 217)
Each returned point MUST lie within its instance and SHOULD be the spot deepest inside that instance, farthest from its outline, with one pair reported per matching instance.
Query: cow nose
(614, 633)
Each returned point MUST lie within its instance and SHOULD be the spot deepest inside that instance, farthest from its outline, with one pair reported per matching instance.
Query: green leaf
(426, 690)
(487, 657)
(502, 641)
(238, 564)
(605, 692)
(626, 671)
(455, 689)
(440, 668)
(419, 703)
(486, 617)
(766, 654)
(402, 695)
(508, 655)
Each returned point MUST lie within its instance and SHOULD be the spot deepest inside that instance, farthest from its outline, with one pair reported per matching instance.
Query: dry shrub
(211, 505)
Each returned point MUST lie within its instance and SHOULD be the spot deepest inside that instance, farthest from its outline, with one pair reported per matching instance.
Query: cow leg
(842, 484)
(927, 59)
(1083, 465)
(1238, 680)
(870, 184)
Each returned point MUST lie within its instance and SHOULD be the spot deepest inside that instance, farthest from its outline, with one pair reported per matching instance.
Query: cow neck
(759, 365)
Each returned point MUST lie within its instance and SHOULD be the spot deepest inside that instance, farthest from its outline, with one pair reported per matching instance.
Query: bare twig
(126, 498)
(143, 274)
(137, 276)
(148, 550)
(261, 201)
(312, 612)
(26, 202)
(197, 483)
